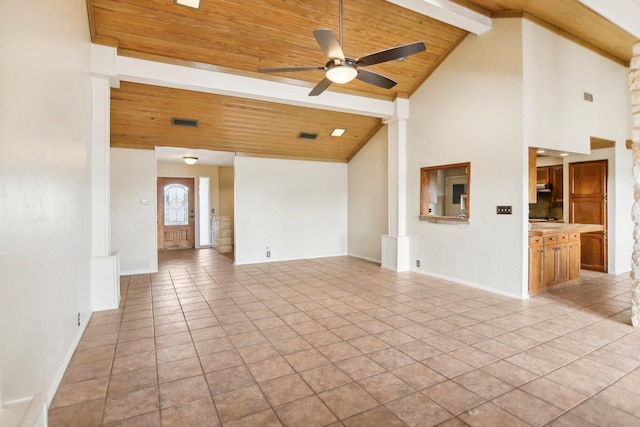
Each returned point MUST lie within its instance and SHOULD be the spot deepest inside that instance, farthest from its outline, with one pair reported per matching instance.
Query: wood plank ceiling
(240, 36)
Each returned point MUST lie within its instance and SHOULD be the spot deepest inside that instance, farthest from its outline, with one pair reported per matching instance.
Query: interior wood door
(588, 205)
(176, 213)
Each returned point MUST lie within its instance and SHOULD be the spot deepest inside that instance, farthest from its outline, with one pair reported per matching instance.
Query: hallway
(340, 341)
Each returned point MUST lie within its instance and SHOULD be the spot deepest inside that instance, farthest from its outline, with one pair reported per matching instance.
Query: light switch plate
(503, 210)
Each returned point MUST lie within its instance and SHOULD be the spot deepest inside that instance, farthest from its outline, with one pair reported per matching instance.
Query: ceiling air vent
(307, 135)
(588, 97)
(192, 123)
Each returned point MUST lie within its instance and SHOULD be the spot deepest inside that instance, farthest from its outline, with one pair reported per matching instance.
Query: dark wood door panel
(587, 211)
(588, 205)
(593, 247)
(588, 178)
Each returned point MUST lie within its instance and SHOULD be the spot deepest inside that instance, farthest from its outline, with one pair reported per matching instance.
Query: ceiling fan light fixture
(190, 160)
(342, 73)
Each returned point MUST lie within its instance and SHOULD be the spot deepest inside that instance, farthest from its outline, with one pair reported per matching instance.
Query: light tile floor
(340, 341)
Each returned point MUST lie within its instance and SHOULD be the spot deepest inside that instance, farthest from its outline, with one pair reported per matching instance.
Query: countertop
(541, 228)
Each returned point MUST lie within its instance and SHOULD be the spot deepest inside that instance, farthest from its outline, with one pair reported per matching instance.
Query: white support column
(105, 274)
(395, 245)
(634, 87)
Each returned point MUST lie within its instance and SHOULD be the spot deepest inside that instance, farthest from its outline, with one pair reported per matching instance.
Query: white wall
(45, 215)
(133, 223)
(298, 209)
(557, 72)
(368, 198)
(470, 110)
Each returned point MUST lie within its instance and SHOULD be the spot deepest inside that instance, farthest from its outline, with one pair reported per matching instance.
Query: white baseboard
(29, 412)
(65, 364)
(471, 284)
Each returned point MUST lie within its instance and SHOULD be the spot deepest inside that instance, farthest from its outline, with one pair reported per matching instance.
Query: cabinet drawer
(563, 238)
(552, 238)
(574, 237)
(535, 240)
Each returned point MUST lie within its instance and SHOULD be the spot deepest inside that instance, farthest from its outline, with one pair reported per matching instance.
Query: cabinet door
(557, 183)
(543, 175)
(562, 262)
(549, 264)
(536, 272)
(574, 260)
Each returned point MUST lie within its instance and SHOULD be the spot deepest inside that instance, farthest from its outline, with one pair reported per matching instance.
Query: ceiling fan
(342, 69)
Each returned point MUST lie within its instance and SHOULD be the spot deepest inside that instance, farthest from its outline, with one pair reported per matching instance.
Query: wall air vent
(588, 97)
(307, 135)
(191, 123)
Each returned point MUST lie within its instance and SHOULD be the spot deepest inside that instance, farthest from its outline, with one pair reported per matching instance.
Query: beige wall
(368, 198)
(225, 192)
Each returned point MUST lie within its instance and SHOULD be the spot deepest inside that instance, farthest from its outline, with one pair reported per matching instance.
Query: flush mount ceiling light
(195, 4)
(338, 132)
(190, 160)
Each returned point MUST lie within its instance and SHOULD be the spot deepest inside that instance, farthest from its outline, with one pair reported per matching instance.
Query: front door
(175, 213)
(588, 205)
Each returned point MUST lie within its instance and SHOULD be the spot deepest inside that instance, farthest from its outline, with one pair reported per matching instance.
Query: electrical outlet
(503, 210)
(268, 254)
(417, 263)
(78, 318)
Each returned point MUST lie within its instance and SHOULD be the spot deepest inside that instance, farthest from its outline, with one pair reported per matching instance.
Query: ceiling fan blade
(320, 87)
(287, 69)
(329, 44)
(397, 52)
(375, 79)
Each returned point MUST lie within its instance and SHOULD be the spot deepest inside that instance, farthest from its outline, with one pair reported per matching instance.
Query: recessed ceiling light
(338, 132)
(189, 3)
(541, 151)
(564, 154)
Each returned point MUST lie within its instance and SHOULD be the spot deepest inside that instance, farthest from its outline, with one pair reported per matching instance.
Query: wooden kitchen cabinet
(557, 179)
(536, 263)
(553, 175)
(533, 195)
(562, 259)
(554, 254)
(574, 256)
(543, 175)
(554, 259)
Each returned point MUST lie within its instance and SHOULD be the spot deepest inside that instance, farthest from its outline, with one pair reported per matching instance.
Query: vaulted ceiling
(241, 36)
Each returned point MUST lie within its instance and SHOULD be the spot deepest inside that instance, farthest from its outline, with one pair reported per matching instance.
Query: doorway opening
(204, 207)
(176, 213)
(588, 205)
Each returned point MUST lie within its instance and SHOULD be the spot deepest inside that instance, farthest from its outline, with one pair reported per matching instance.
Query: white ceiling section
(624, 13)
(449, 13)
